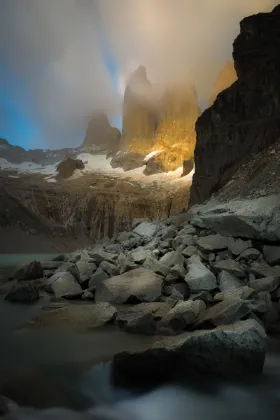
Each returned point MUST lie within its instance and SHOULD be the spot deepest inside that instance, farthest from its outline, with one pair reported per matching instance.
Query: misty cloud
(62, 60)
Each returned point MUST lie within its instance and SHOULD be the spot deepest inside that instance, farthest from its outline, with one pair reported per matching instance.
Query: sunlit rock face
(245, 118)
(178, 112)
(226, 78)
(100, 133)
(139, 114)
(159, 123)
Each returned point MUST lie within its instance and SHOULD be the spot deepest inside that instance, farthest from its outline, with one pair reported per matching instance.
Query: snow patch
(151, 154)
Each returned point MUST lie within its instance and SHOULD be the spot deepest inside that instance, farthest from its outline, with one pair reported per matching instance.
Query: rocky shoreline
(206, 296)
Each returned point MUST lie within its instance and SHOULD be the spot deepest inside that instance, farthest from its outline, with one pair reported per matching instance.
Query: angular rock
(146, 229)
(153, 264)
(82, 317)
(182, 240)
(98, 277)
(189, 251)
(63, 284)
(109, 268)
(51, 265)
(199, 278)
(227, 282)
(266, 284)
(182, 315)
(168, 233)
(85, 270)
(236, 350)
(23, 293)
(230, 266)
(212, 243)
(249, 254)
(182, 290)
(67, 167)
(179, 271)
(228, 311)
(172, 258)
(237, 246)
(156, 309)
(264, 270)
(272, 254)
(99, 256)
(139, 255)
(243, 292)
(29, 271)
(204, 296)
(135, 285)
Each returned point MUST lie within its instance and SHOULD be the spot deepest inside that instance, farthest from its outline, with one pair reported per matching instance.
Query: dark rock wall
(245, 118)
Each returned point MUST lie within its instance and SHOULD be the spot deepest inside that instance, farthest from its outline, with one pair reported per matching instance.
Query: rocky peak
(101, 134)
(139, 114)
(244, 119)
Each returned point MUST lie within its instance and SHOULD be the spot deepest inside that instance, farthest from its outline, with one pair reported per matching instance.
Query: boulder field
(204, 285)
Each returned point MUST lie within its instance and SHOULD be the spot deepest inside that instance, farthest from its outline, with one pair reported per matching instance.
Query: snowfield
(96, 164)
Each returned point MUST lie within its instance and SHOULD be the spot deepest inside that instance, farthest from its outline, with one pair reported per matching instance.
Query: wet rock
(63, 284)
(153, 264)
(199, 278)
(272, 254)
(98, 277)
(84, 317)
(236, 350)
(237, 246)
(266, 284)
(226, 281)
(172, 258)
(212, 243)
(29, 271)
(146, 229)
(23, 293)
(249, 254)
(182, 315)
(230, 266)
(228, 311)
(138, 285)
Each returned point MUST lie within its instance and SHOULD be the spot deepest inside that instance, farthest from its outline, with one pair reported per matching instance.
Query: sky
(63, 60)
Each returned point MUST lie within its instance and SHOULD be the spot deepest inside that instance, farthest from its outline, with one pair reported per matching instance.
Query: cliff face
(225, 79)
(139, 114)
(91, 207)
(100, 133)
(245, 118)
(178, 112)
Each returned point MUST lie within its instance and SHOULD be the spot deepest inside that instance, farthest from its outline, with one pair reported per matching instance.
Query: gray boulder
(249, 254)
(230, 266)
(236, 350)
(199, 278)
(168, 233)
(226, 312)
(99, 255)
(227, 282)
(181, 290)
(182, 315)
(243, 292)
(63, 284)
(153, 264)
(98, 277)
(85, 270)
(109, 268)
(146, 229)
(23, 293)
(212, 243)
(266, 284)
(82, 317)
(172, 258)
(51, 265)
(140, 285)
(179, 271)
(253, 219)
(139, 255)
(190, 251)
(182, 240)
(272, 254)
(236, 246)
(29, 271)
(262, 269)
